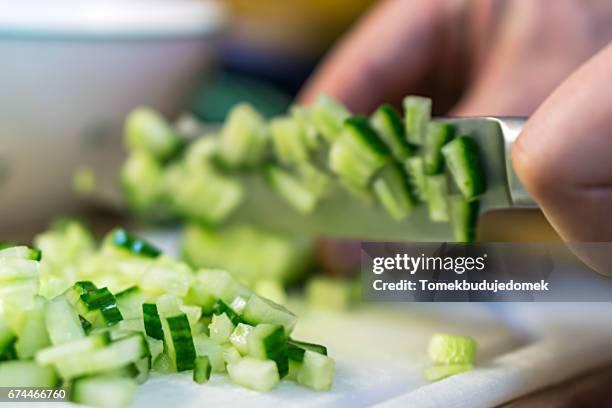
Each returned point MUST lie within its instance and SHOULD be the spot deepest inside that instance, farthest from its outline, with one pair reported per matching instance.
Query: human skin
(494, 57)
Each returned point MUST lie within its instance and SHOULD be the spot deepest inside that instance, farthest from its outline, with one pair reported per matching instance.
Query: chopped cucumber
(437, 194)
(179, 342)
(438, 134)
(439, 372)
(415, 168)
(316, 371)
(99, 307)
(201, 370)
(289, 139)
(20, 252)
(327, 116)
(147, 131)
(269, 342)
(417, 111)
(244, 137)
(463, 162)
(104, 391)
(232, 312)
(260, 310)
(16, 268)
(230, 354)
(33, 335)
(451, 349)
(221, 328)
(358, 152)
(293, 190)
(298, 348)
(388, 123)
(137, 246)
(259, 375)
(211, 349)
(26, 374)
(239, 337)
(140, 177)
(152, 322)
(57, 353)
(393, 191)
(62, 321)
(464, 217)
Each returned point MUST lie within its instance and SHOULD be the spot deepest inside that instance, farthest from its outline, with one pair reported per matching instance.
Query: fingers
(564, 156)
(384, 56)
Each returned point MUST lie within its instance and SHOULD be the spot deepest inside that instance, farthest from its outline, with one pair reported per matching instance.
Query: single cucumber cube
(438, 134)
(289, 140)
(316, 371)
(244, 137)
(239, 337)
(417, 114)
(464, 164)
(393, 191)
(201, 370)
(140, 178)
(33, 335)
(437, 194)
(259, 310)
(415, 168)
(388, 123)
(268, 342)
(439, 372)
(27, 374)
(464, 217)
(451, 349)
(62, 321)
(259, 375)
(104, 392)
(327, 115)
(147, 131)
(221, 328)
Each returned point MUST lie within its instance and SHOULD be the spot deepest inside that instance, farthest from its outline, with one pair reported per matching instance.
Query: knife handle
(511, 128)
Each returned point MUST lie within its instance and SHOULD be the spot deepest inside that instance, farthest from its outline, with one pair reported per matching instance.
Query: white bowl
(69, 73)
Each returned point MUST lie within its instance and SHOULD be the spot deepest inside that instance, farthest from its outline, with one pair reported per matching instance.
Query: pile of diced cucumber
(386, 160)
(100, 319)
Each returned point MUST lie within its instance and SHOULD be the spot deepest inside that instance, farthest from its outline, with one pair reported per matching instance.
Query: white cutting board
(380, 352)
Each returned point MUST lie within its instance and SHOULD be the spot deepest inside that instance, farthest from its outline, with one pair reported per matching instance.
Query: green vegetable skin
(45, 342)
(306, 157)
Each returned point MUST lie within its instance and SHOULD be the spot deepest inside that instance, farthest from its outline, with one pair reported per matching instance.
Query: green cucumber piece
(298, 348)
(27, 374)
(152, 322)
(417, 114)
(221, 328)
(140, 176)
(211, 349)
(99, 307)
(289, 140)
(269, 342)
(463, 162)
(201, 370)
(179, 342)
(134, 245)
(104, 391)
(260, 310)
(33, 334)
(358, 152)
(221, 307)
(439, 372)
(258, 375)
(148, 131)
(438, 134)
(57, 353)
(316, 371)
(20, 252)
(415, 168)
(464, 217)
(393, 191)
(291, 188)
(7, 342)
(327, 116)
(62, 321)
(451, 349)
(388, 123)
(230, 354)
(437, 194)
(239, 337)
(244, 137)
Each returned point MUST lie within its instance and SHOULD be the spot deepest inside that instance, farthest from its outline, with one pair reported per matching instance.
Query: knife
(343, 216)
